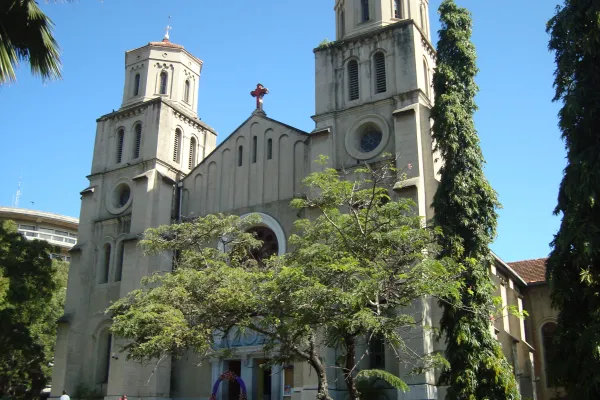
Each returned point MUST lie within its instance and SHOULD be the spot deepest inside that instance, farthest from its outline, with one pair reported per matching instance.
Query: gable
(262, 161)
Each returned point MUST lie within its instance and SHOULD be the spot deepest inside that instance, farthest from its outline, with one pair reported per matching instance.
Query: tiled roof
(531, 270)
(166, 43)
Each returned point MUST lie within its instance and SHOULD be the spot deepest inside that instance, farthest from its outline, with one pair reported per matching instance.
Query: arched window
(269, 149)
(397, 9)
(192, 158)
(548, 333)
(423, 17)
(105, 264)
(119, 266)
(380, 78)
(270, 245)
(186, 92)
(120, 140)
(353, 90)
(364, 5)
(163, 82)
(138, 141)
(136, 85)
(426, 77)
(177, 145)
(254, 148)
(240, 155)
(103, 356)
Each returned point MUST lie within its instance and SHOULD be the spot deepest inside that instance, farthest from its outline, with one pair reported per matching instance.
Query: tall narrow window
(422, 8)
(136, 85)
(380, 78)
(353, 80)
(119, 266)
(138, 141)
(163, 82)
(192, 158)
(240, 155)
(426, 77)
(365, 10)
(269, 149)
(177, 145)
(103, 276)
(548, 332)
(103, 360)
(397, 9)
(377, 352)
(343, 23)
(254, 148)
(120, 139)
(186, 92)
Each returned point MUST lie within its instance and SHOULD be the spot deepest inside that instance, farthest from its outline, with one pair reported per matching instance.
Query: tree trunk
(323, 386)
(350, 367)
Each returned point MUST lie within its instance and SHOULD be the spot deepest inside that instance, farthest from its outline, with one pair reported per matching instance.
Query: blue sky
(47, 130)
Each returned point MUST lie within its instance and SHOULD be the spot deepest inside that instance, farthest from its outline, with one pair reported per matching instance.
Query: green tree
(33, 297)
(465, 211)
(357, 260)
(574, 263)
(26, 35)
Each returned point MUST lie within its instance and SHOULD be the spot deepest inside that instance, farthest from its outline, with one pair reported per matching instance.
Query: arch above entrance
(272, 224)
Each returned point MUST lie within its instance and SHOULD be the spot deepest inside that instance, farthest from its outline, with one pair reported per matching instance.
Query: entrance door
(235, 366)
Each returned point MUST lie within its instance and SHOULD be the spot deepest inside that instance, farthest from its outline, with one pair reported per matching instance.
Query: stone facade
(156, 163)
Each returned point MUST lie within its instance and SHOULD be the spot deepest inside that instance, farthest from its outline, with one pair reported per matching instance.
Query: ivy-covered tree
(465, 211)
(358, 260)
(33, 289)
(574, 263)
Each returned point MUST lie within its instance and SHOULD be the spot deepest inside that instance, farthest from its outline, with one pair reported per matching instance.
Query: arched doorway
(230, 377)
(270, 245)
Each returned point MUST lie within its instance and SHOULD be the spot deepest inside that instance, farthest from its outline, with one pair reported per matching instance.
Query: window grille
(136, 85)
(120, 138)
(254, 148)
(192, 157)
(269, 149)
(163, 82)
(353, 80)
(365, 10)
(138, 141)
(176, 145)
(186, 92)
(380, 78)
(240, 154)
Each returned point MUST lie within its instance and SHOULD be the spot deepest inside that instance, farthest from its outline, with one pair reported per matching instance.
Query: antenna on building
(18, 194)
(167, 29)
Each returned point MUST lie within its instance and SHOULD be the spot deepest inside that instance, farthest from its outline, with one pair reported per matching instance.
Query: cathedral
(155, 162)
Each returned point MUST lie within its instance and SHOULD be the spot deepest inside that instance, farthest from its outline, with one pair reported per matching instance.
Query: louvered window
(380, 78)
(254, 148)
(163, 82)
(176, 145)
(269, 149)
(136, 85)
(365, 9)
(120, 139)
(353, 80)
(397, 9)
(186, 92)
(192, 159)
(138, 141)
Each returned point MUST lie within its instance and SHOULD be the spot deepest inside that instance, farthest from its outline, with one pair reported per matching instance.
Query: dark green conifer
(574, 264)
(465, 210)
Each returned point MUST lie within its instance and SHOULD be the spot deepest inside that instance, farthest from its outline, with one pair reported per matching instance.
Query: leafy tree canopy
(359, 260)
(574, 263)
(465, 211)
(32, 296)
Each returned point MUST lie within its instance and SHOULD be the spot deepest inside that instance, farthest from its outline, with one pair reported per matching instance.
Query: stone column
(276, 381)
(248, 376)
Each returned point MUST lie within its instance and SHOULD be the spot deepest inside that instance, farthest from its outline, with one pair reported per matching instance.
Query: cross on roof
(259, 93)
(167, 29)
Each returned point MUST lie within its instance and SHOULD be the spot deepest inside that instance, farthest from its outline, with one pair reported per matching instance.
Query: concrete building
(56, 229)
(156, 162)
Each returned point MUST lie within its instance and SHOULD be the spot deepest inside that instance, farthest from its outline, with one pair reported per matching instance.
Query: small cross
(259, 93)
(167, 29)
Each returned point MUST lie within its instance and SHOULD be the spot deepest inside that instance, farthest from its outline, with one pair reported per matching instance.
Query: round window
(119, 198)
(370, 139)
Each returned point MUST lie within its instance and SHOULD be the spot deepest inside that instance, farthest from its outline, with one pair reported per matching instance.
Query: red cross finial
(259, 93)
